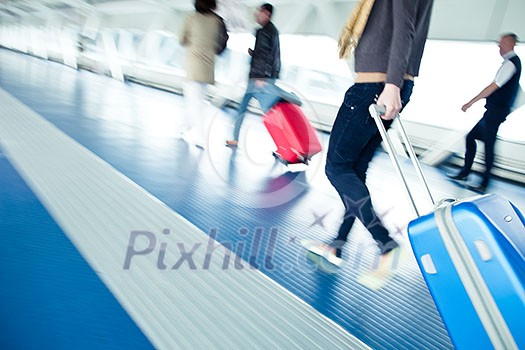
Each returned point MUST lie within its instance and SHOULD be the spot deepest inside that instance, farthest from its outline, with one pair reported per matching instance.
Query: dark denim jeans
(267, 95)
(353, 141)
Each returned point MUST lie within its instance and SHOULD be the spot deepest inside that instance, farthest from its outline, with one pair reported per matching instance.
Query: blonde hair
(354, 27)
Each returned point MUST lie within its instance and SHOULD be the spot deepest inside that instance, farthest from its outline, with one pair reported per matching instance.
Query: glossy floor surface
(60, 290)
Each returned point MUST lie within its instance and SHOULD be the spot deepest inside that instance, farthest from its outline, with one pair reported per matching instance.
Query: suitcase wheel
(285, 162)
(280, 159)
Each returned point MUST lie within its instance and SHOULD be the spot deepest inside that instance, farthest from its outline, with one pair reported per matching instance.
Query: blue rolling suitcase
(472, 256)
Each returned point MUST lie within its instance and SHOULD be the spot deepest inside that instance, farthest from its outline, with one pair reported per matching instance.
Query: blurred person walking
(499, 95)
(387, 58)
(265, 66)
(204, 35)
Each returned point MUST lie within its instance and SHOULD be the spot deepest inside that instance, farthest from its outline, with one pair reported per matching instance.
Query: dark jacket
(266, 57)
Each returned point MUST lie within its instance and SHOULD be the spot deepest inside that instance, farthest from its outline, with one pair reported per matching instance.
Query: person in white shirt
(500, 95)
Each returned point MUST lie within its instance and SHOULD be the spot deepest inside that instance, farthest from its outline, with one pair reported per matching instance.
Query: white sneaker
(191, 137)
(387, 269)
(323, 250)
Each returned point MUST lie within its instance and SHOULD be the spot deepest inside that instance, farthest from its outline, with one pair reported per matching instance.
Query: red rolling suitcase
(472, 256)
(295, 138)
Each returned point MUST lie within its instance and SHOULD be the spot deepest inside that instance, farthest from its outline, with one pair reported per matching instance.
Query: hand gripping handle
(376, 112)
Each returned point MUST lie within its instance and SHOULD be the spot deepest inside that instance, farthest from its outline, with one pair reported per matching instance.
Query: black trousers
(485, 130)
(353, 141)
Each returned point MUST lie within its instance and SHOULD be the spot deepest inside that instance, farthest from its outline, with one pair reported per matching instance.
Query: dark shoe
(479, 188)
(458, 176)
(338, 246)
(387, 247)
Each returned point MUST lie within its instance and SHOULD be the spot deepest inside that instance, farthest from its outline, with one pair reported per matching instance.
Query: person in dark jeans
(264, 69)
(353, 142)
(500, 96)
(386, 62)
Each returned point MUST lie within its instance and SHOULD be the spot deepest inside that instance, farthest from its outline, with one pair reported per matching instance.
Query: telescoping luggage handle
(376, 112)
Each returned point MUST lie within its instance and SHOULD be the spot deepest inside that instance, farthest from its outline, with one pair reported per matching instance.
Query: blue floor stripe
(49, 296)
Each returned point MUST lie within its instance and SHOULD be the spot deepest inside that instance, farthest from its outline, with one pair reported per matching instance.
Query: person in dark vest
(500, 96)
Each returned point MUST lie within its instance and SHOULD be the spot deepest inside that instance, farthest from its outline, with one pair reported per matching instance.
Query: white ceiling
(451, 19)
